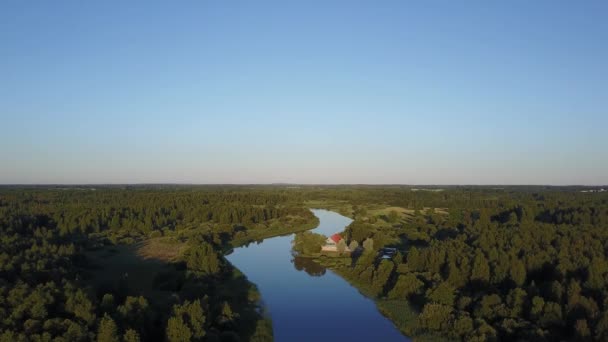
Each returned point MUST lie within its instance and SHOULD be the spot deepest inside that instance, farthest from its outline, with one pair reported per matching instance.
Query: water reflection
(309, 266)
(306, 301)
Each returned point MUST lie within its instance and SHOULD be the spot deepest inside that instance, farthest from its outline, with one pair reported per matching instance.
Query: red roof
(336, 238)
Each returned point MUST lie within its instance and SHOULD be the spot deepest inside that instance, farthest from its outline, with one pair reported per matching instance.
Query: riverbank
(398, 311)
(386, 222)
(304, 301)
(274, 232)
(157, 268)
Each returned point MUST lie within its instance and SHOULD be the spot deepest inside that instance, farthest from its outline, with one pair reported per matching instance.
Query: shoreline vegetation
(482, 274)
(143, 264)
(129, 263)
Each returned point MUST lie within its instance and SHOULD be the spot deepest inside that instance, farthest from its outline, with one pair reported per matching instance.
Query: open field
(162, 249)
(130, 268)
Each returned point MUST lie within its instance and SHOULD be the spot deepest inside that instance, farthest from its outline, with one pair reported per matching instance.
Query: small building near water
(331, 244)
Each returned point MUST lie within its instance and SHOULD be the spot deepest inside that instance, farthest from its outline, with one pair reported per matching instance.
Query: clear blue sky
(443, 92)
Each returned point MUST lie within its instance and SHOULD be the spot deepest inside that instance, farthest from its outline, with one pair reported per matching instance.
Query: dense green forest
(477, 264)
(48, 290)
(473, 263)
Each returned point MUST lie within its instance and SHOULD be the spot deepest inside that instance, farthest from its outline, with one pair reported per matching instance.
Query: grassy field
(162, 249)
(132, 268)
(149, 269)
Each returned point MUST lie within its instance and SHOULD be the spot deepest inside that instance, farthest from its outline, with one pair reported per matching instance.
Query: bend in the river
(306, 301)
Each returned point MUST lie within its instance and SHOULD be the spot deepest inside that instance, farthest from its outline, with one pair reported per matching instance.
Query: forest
(473, 263)
(48, 289)
(479, 264)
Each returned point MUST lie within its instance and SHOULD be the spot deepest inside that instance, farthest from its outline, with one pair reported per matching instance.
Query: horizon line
(300, 184)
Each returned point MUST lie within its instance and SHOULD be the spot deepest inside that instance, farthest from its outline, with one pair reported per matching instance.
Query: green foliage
(406, 286)
(188, 320)
(226, 316)
(436, 317)
(368, 244)
(47, 235)
(383, 273)
(442, 294)
(263, 331)
(178, 330)
(130, 336)
(520, 263)
(308, 243)
(107, 332)
(203, 258)
(481, 269)
(525, 263)
(518, 272)
(107, 303)
(393, 216)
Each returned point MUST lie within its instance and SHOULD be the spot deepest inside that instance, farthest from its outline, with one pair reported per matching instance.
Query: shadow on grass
(126, 270)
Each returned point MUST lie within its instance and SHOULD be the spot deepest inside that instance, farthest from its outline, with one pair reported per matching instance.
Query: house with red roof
(331, 244)
(334, 239)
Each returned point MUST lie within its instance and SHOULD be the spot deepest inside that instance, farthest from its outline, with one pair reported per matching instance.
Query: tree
(481, 269)
(382, 274)
(227, 316)
(491, 308)
(263, 331)
(203, 258)
(368, 244)
(596, 270)
(134, 312)
(414, 260)
(393, 216)
(107, 303)
(518, 272)
(442, 294)
(463, 326)
(107, 332)
(130, 336)
(308, 243)
(353, 245)
(516, 301)
(405, 286)
(177, 330)
(538, 303)
(512, 221)
(435, 317)
(552, 315)
(581, 329)
(601, 328)
(191, 315)
(456, 276)
(82, 307)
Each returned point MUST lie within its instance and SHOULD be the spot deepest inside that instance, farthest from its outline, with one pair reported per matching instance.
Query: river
(306, 301)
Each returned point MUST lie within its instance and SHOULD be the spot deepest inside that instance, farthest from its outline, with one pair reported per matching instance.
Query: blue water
(306, 301)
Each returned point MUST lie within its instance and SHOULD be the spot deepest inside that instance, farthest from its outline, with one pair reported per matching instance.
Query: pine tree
(518, 272)
(177, 330)
(107, 332)
(130, 336)
(481, 269)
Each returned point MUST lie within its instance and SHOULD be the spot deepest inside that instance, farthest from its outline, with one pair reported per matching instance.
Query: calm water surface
(306, 301)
